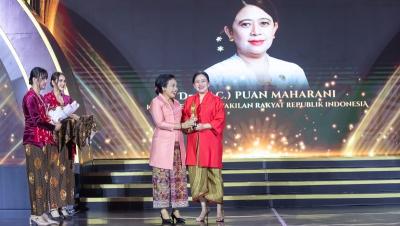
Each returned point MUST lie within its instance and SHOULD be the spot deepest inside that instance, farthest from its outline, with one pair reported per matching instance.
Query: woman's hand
(202, 126)
(199, 127)
(190, 123)
(74, 117)
(57, 126)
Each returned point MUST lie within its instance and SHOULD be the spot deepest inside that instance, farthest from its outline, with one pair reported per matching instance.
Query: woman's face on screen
(253, 31)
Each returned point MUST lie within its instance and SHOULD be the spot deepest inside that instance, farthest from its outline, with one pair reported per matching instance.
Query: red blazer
(211, 110)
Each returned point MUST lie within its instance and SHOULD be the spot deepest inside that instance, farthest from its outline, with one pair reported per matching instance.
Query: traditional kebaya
(168, 154)
(204, 146)
(39, 144)
(61, 163)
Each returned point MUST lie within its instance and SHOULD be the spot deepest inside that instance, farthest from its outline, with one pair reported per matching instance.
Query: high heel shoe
(204, 218)
(177, 220)
(64, 213)
(38, 220)
(54, 214)
(219, 219)
(165, 221)
(50, 221)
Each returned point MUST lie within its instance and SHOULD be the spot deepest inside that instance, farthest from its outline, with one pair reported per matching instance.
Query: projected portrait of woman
(252, 31)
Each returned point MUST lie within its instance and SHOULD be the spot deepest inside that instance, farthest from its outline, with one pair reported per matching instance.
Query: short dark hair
(162, 81)
(236, 5)
(37, 72)
(200, 73)
(54, 77)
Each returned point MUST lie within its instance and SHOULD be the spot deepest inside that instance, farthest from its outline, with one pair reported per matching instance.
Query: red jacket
(211, 110)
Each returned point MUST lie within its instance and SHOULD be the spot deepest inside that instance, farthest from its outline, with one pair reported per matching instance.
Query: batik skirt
(170, 186)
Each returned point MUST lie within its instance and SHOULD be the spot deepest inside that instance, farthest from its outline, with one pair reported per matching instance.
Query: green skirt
(206, 183)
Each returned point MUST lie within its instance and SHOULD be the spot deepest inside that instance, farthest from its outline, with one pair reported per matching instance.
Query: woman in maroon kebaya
(38, 141)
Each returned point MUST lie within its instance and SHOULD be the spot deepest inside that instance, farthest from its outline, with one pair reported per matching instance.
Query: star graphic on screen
(218, 39)
(220, 48)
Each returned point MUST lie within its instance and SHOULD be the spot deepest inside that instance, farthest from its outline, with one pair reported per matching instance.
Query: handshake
(190, 123)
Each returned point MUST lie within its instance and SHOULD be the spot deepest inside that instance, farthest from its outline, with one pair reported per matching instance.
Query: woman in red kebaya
(204, 146)
(63, 160)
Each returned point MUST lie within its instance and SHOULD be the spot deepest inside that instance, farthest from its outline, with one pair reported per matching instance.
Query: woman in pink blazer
(168, 154)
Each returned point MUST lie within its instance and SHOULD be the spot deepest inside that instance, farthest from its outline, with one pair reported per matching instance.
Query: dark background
(323, 37)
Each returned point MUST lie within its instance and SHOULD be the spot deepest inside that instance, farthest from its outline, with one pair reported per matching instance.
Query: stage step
(269, 182)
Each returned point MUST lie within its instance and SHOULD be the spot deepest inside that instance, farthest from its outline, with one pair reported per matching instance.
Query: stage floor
(337, 216)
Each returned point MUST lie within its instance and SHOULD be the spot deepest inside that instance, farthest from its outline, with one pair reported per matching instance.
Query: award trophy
(193, 114)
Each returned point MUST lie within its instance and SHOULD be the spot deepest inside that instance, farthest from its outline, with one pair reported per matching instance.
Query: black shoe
(177, 220)
(165, 221)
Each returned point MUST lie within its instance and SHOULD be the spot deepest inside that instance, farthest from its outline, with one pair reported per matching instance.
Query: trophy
(193, 114)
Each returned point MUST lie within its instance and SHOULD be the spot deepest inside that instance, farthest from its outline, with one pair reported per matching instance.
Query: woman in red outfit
(204, 146)
(63, 160)
(39, 143)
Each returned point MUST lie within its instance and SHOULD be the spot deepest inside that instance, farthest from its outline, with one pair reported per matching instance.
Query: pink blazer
(162, 146)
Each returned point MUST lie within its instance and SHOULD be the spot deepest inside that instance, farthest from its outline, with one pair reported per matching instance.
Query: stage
(309, 136)
(266, 183)
(338, 216)
(336, 191)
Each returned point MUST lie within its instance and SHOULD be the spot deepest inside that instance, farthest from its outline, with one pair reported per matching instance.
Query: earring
(231, 39)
